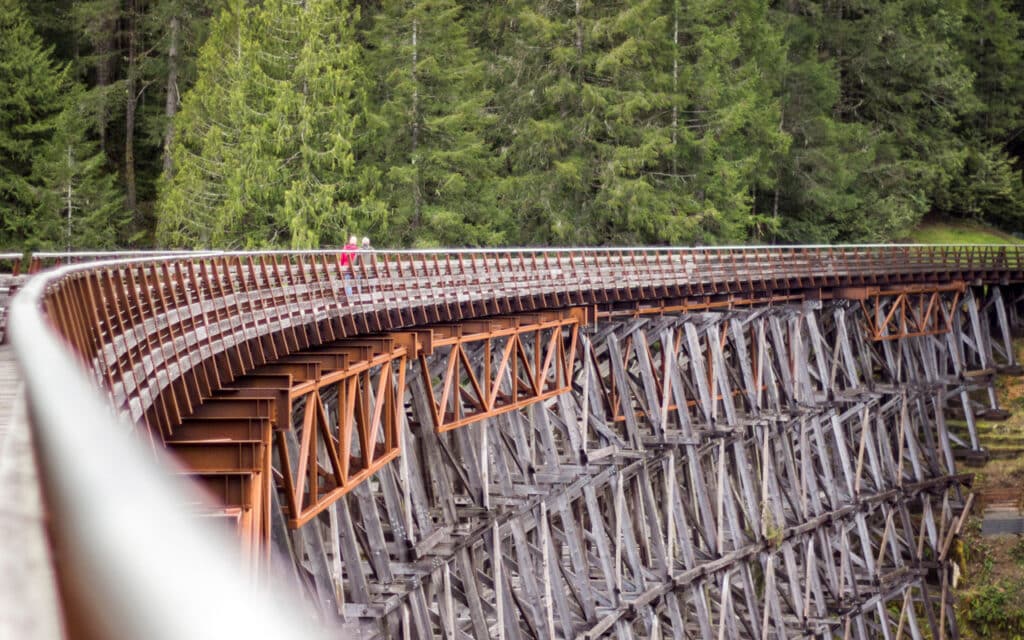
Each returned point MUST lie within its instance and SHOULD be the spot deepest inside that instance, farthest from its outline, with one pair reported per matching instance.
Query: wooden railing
(161, 332)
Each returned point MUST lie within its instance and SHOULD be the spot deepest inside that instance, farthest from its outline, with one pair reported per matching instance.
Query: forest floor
(990, 598)
(935, 231)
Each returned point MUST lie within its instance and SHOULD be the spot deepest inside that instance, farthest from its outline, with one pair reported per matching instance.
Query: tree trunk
(675, 85)
(417, 204)
(171, 106)
(104, 45)
(129, 111)
(69, 196)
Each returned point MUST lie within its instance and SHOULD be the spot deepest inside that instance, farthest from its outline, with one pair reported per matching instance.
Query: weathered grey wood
(746, 439)
(622, 386)
(359, 588)
(376, 550)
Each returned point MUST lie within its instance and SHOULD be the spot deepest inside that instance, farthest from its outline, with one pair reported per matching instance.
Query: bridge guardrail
(159, 333)
(131, 320)
(128, 551)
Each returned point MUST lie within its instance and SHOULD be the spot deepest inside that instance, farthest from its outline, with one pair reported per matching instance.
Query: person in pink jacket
(346, 260)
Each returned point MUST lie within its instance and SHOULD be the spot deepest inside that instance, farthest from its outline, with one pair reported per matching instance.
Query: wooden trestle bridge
(688, 443)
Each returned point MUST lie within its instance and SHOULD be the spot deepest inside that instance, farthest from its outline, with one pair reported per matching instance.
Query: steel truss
(473, 361)
(908, 311)
(767, 472)
(317, 423)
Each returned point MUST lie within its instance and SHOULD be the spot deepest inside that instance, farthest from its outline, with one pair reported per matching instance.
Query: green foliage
(444, 122)
(958, 232)
(437, 171)
(985, 185)
(265, 153)
(996, 607)
(992, 42)
(29, 105)
(648, 122)
(52, 177)
(76, 188)
(1017, 551)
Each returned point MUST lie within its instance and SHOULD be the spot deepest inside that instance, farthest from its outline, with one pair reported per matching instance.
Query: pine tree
(826, 186)
(627, 85)
(175, 30)
(726, 117)
(29, 104)
(76, 183)
(264, 154)
(436, 167)
(639, 122)
(875, 91)
(547, 178)
(47, 165)
(988, 184)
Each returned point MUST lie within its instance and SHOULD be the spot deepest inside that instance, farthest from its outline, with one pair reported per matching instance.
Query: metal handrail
(134, 563)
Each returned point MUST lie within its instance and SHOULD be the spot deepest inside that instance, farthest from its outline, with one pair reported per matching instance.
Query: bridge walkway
(29, 604)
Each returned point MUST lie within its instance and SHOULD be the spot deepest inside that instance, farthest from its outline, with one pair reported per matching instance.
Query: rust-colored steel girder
(344, 426)
(314, 425)
(317, 423)
(225, 446)
(906, 312)
(499, 364)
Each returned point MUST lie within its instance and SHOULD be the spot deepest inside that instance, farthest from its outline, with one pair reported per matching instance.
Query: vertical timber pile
(771, 472)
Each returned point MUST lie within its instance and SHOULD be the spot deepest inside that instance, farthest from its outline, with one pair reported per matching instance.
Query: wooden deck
(29, 604)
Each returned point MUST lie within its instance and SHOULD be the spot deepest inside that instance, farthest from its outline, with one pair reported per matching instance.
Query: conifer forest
(236, 124)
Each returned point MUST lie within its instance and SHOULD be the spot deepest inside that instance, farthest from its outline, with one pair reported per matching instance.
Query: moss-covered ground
(958, 232)
(990, 598)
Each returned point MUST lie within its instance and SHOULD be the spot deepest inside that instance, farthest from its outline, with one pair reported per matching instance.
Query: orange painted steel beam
(497, 365)
(891, 314)
(336, 453)
(239, 444)
(226, 450)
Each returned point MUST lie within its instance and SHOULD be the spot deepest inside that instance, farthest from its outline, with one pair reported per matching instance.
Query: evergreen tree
(436, 167)
(827, 187)
(48, 168)
(992, 41)
(29, 105)
(76, 184)
(874, 93)
(548, 170)
(637, 123)
(176, 29)
(726, 125)
(206, 202)
(94, 54)
(264, 151)
(988, 183)
(522, 121)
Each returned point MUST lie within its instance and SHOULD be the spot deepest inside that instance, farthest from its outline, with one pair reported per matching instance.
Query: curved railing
(150, 328)
(159, 333)
(125, 546)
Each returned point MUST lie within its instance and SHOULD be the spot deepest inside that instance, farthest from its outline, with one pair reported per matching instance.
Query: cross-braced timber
(749, 471)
